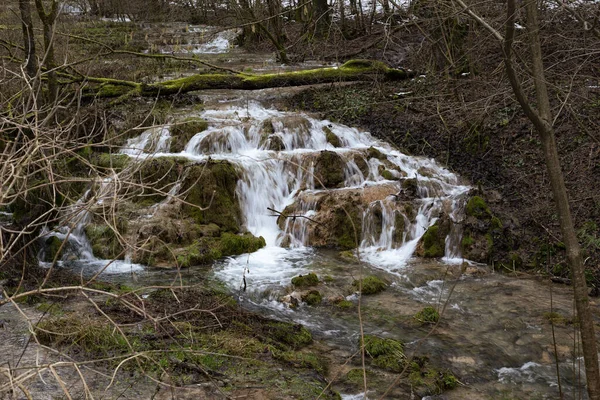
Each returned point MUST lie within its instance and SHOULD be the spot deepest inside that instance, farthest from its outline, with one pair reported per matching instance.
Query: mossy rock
(478, 208)
(208, 249)
(428, 315)
(370, 285)
(310, 279)
(411, 187)
(344, 305)
(299, 359)
(433, 242)
(389, 175)
(329, 170)
(115, 161)
(399, 225)
(372, 152)
(312, 298)
(183, 131)
(275, 143)
(362, 165)
(385, 353)
(294, 335)
(331, 137)
(52, 246)
(216, 181)
(345, 221)
(156, 176)
(104, 241)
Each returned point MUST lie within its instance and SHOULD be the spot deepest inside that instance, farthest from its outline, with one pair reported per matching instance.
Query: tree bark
(48, 19)
(28, 38)
(542, 120)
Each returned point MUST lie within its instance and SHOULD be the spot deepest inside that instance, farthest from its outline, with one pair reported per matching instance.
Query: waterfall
(279, 156)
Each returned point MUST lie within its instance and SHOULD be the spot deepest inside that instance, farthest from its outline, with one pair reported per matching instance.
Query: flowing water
(493, 333)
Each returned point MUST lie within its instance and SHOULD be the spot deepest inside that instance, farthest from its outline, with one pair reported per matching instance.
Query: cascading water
(280, 159)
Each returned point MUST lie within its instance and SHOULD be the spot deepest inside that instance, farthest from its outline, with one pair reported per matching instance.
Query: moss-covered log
(354, 70)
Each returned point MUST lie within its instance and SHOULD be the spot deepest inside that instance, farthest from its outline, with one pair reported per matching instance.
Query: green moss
(331, 137)
(344, 304)
(216, 181)
(477, 207)
(232, 244)
(466, 241)
(370, 285)
(156, 176)
(343, 226)
(183, 131)
(310, 279)
(387, 174)
(208, 249)
(300, 360)
(81, 334)
(385, 353)
(428, 315)
(293, 335)
(114, 161)
(52, 247)
(104, 241)
(312, 298)
(372, 152)
(433, 242)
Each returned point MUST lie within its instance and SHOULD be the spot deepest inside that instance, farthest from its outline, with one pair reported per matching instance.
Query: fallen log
(354, 70)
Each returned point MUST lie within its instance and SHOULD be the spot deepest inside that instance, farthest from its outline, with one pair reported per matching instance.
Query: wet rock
(310, 279)
(312, 298)
(370, 285)
(275, 143)
(372, 152)
(433, 242)
(183, 131)
(331, 137)
(329, 170)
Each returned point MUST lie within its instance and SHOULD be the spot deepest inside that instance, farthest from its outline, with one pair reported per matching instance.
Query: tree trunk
(28, 38)
(542, 120)
(354, 70)
(48, 19)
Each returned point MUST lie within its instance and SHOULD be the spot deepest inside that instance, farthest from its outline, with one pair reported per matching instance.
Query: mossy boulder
(372, 152)
(478, 208)
(115, 161)
(329, 170)
(275, 143)
(347, 226)
(52, 246)
(294, 335)
(183, 131)
(156, 176)
(433, 242)
(207, 249)
(212, 186)
(428, 315)
(370, 285)
(385, 353)
(411, 187)
(312, 298)
(485, 238)
(310, 279)
(399, 225)
(331, 137)
(389, 175)
(104, 240)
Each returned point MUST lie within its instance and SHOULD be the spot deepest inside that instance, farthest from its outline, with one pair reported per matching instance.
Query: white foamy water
(276, 153)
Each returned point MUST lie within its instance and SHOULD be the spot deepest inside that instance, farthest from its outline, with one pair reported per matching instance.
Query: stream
(493, 334)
